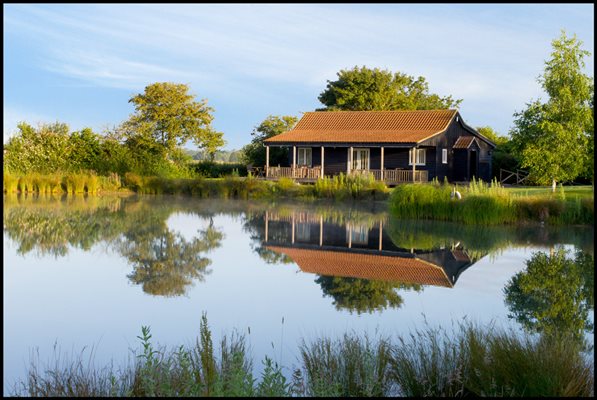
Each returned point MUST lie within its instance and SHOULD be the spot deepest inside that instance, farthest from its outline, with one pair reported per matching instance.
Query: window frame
(444, 156)
(418, 157)
(305, 158)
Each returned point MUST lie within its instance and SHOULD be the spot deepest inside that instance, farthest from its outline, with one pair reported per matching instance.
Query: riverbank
(473, 360)
(477, 203)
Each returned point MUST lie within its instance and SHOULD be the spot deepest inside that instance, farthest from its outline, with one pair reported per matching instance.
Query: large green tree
(364, 89)
(167, 116)
(254, 152)
(503, 156)
(552, 138)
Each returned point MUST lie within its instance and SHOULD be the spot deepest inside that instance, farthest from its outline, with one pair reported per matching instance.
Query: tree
(212, 142)
(552, 139)
(45, 149)
(254, 152)
(167, 116)
(364, 89)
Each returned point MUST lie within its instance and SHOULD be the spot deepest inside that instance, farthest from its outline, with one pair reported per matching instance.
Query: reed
(476, 361)
(10, 182)
(487, 205)
(468, 361)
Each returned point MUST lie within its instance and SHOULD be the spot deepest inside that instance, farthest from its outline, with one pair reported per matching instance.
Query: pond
(83, 274)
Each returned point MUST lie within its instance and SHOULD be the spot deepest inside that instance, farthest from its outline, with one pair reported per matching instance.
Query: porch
(311, 174)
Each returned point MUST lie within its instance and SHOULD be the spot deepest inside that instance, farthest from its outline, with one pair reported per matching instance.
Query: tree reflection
(363, 295)
(554, 294)
(165, 263)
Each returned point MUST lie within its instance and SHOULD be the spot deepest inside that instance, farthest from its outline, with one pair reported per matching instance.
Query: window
(420, 157)
(444, 156)
(360, 159)
(304, 156)
(358, 234)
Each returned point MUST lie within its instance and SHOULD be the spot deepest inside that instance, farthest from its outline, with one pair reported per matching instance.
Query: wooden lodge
(394, 146)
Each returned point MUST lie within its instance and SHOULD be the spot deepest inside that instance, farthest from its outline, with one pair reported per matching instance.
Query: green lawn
(580, 191)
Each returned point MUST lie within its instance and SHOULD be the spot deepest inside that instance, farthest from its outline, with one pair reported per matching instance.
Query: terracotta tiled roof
(463, 142)
(366, 266)
(367, 126)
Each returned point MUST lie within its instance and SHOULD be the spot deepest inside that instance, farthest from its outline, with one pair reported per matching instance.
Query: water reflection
(554, 294)
(361, 257)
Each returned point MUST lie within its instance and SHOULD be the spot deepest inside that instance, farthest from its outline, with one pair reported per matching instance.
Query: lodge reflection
(360, 250)
(357, 263)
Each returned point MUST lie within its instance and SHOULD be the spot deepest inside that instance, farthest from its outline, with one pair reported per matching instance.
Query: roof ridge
(375, 111)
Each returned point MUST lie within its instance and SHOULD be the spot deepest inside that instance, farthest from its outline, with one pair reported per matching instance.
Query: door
(360, 159)
(473, 162)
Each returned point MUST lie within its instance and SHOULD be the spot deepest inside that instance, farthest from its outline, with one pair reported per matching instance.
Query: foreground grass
(471, 361)
(491, 204)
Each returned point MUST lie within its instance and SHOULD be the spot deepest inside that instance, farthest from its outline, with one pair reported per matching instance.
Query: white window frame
(420, 155)
(354, 159)
(357, 234)
(307, 156)
(444, 156)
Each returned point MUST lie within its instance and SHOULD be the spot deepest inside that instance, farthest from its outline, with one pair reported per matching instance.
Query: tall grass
(72, 183)
(487, 204)
(468, 361)
(10, 182)
(350, 366)
(343, 186)
(476, 361)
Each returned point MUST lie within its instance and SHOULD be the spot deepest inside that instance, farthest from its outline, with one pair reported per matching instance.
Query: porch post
(266, 161)
(380, 234)
(322, 162)
(292, 228)
(414, 161)
(266, 225)
(293, 160)
(382, 163)
(320, 230)
(349, 161)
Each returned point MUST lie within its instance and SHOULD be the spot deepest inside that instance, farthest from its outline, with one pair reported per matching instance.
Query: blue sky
(81, 63)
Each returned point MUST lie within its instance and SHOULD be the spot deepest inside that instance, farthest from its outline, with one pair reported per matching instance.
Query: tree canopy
(254, 152)
(365, 89)
(167, 116)
(552, 138)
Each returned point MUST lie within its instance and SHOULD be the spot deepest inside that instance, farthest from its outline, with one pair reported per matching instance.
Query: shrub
(210, 169)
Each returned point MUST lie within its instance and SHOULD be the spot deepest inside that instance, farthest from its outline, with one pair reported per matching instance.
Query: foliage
(45, 149)
(365, 89)
(554, 294)
(210, 169)
(356, 186)
(254, 153)
(552, 138)
(167, 116)
(492, 135)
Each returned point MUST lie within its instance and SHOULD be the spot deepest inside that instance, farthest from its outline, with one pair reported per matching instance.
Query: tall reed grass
(486, 204)
(468, 361)
(71, 183)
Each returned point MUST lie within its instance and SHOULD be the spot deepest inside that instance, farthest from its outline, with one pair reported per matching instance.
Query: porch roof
(366, 127)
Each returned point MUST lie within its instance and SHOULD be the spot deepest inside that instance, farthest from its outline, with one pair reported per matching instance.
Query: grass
(470, 361)
(490, 204)
(71, 183)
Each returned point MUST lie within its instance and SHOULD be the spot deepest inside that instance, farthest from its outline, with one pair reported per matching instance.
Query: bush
(210, 169)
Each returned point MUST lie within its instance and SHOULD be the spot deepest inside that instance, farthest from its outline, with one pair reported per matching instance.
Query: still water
(91, 271)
